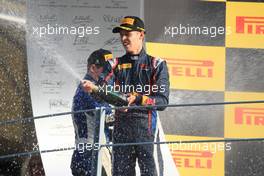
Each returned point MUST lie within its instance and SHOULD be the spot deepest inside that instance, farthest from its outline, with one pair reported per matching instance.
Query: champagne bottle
(111, 97)
(116, 98)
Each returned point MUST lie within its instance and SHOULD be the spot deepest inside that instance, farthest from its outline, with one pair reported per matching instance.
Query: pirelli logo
(129, 21)
(125, 66)
(193, 159)
(108, 56)
(191, 68)
(249, 116)
(246, 26)
(250, 25)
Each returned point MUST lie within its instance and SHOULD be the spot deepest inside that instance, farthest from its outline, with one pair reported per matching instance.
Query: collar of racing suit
(141, 54)
(90, 78)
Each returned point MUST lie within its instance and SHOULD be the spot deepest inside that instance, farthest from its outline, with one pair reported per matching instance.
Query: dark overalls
(138, 125)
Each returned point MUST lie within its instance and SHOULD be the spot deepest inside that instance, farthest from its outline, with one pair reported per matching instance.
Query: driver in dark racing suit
(145, 80)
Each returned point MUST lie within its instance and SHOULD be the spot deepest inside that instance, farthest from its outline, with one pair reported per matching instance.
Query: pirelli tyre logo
(195, 74)
(193, 159)
(244, 121)
(249, 116)
(198, 159)
(247, 26)
(191, 68)
(250, 25)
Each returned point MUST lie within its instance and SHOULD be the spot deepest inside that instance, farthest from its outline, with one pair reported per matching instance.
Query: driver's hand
(88, 86)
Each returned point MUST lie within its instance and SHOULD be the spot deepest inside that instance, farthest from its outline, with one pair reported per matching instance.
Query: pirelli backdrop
(215, 53)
